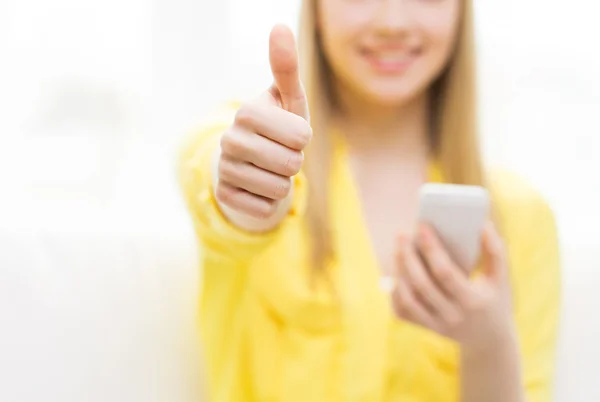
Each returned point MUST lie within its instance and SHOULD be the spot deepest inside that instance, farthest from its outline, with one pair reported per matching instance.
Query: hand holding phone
(458, 214)
(431, 286)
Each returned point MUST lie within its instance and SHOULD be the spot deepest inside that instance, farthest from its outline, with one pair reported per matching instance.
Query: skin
(433, 292)
(384, 55)
(355, 33)
(262, 150)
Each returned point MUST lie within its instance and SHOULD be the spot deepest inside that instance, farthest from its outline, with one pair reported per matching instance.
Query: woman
(293, 248)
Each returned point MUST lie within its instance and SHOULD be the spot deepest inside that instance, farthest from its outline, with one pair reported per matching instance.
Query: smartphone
(458, 214)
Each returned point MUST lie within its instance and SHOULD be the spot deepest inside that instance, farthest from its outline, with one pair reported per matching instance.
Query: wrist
(492, 371)
(501, 340)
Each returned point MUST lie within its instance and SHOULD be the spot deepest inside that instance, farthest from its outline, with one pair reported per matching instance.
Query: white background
(95, 249)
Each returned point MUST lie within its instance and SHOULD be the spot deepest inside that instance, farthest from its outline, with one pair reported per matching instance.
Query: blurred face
(388, 51)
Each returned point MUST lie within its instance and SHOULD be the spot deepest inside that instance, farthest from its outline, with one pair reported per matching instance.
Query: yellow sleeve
(535, 271)
(226, 252)
(221, 241)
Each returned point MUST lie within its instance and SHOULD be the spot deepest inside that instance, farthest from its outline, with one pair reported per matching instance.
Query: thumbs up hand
(262, 150)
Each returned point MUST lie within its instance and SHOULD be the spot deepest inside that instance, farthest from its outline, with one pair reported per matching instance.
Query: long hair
(453, 121)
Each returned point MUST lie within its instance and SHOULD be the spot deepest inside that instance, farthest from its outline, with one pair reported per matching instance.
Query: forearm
(492, 374)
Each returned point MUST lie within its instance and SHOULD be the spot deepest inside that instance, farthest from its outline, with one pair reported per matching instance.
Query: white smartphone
(458, 213)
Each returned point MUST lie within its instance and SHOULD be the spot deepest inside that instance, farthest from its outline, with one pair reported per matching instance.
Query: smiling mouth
(389, 62)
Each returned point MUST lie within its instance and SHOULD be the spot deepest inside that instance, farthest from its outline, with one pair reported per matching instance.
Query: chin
(392, 95)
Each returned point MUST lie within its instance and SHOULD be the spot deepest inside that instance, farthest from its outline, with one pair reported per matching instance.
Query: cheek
(440, 30)
(339, 26)
(441, 46)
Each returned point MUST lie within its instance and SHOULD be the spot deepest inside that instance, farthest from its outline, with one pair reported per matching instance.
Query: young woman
(299, 217)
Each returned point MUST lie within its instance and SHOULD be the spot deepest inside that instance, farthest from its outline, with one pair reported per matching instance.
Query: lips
(389, 61)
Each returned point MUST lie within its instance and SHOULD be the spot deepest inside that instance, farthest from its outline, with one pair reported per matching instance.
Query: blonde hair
(453, 113)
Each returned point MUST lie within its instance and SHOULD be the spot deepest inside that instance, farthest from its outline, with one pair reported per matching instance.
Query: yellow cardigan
(268, 337)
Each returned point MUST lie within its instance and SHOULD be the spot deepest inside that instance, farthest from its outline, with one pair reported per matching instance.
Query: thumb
(283, 57)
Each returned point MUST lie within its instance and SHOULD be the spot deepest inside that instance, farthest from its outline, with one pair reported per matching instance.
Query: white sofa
(99, 305)
(98, 311)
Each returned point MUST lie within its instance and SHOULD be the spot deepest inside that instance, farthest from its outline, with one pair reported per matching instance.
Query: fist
(262, 150)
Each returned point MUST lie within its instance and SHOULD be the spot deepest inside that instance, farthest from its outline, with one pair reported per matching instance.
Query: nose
(394, 16)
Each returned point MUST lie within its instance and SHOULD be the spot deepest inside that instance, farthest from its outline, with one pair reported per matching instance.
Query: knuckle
(272, 206)
(398, 308)
(293, 163)
(401, 312)
(227, 170)
(402, 256)
(246, 115)
(420, 286)
(223, 194)
(302, 135)
(231, 144)
(267, 209)
(299, 96)
(454, 320)
(443, 272)
(406, 302)
(427, 247)
(282, 189)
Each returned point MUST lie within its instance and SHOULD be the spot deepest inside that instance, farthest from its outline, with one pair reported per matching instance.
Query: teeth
(392, 58)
